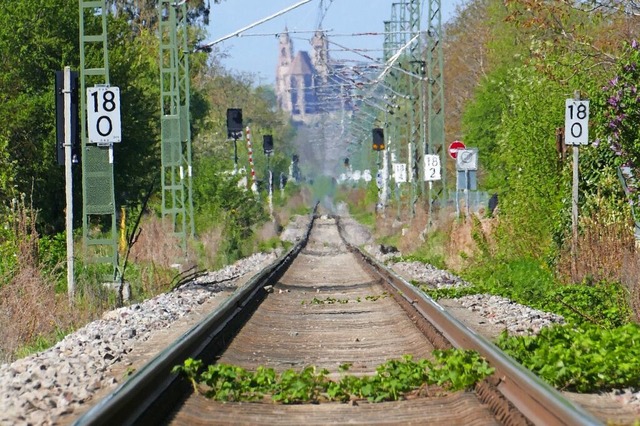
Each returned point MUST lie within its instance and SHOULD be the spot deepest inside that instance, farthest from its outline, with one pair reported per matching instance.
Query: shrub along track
(328, 308)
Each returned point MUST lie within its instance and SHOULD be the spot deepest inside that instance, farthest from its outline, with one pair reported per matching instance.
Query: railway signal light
(234, 123)
(378, 139)
(267, 144)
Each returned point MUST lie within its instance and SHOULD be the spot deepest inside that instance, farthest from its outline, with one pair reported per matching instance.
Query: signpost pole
(466, 194)
(270, 186)
(68, 182)
(574, 204)
(457, 196)
(576, 132)
(430, 220)
(454, 147)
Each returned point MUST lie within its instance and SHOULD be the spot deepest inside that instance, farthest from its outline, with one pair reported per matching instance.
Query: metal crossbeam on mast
(435, 91)
(171, 123)
(99, 224)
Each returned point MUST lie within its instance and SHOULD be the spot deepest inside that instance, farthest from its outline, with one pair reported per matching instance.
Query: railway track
(279, 319)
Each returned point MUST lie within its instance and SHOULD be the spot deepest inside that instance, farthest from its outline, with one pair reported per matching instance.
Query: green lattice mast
(435, 92)
(173, 124)
(416, 112)
(99, 224)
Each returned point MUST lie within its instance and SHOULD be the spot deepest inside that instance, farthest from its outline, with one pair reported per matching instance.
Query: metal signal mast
(99, 225)
(417, 110)
(174, 120)
(435, 91)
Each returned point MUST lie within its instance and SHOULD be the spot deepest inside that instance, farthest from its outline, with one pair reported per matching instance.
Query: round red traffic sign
(455, 147)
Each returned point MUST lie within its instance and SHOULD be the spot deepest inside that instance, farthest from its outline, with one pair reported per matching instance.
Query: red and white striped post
(254, 186)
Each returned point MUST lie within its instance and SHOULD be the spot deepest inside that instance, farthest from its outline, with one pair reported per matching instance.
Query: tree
(36, 38)
(144, 13)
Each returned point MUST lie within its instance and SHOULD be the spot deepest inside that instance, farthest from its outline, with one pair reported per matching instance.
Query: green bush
(587, 358)
(529, 282)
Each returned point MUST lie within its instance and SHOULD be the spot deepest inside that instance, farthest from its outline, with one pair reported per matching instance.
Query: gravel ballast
(52, 386)
(41, 388)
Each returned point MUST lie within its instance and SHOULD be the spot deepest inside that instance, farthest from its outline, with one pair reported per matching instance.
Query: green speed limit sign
(576, 122)
(103, 114)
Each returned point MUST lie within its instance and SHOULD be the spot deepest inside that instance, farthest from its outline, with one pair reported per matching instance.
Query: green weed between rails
(453, 370)
(582, 359)
(332, 300)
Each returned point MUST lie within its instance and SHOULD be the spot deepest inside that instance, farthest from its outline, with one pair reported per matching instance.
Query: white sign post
(432, 168)
(103, 115)
(400, 172)
(576, 133)
(467, 162)
(576, 122)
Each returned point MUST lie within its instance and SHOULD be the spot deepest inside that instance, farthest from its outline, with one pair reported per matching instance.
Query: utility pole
(98, 195)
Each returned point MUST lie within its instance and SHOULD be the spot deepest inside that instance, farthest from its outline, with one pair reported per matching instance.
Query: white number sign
(103, 115)
(432, 169)
(400, 172)
(576, 122)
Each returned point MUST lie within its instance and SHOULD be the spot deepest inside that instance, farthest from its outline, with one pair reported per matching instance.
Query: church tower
(320, 57)
(283, 71)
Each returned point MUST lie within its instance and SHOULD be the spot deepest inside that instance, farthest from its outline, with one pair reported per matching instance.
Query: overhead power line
(208, 46)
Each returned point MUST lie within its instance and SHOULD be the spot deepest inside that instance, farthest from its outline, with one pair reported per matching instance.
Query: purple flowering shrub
(616, 115)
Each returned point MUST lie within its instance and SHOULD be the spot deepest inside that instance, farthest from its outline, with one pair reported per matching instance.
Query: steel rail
(539, 402)
(148, 397)
(144, 398)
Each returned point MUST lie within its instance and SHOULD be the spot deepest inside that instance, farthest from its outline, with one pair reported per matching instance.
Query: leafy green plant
(190, 370)
(528, 282)
(332, 300)
(375, 297)
(586, 358)
(454, 370)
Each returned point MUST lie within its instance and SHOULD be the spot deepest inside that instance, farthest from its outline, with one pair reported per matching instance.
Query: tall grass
(35, 311)
(29, 305)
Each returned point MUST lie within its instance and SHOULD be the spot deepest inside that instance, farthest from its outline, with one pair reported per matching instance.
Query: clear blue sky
(258, 54)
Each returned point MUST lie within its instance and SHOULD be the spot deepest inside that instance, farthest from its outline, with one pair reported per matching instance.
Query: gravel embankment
(41, 388)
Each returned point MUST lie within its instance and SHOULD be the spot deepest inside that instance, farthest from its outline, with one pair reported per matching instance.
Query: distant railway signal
(267, 144)
(234, 123)
(378, 139)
